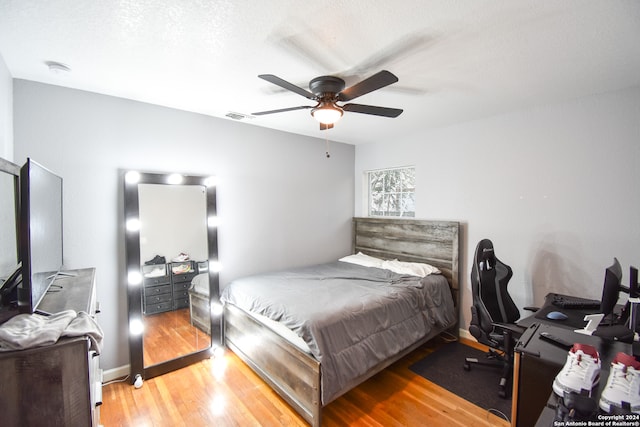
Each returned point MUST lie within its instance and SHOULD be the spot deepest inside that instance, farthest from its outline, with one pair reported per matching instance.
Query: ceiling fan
(327, 91)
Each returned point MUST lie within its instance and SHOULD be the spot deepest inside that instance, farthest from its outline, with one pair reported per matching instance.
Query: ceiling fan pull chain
(327, 146)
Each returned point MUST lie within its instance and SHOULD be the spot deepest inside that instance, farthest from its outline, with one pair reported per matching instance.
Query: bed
(380, 316)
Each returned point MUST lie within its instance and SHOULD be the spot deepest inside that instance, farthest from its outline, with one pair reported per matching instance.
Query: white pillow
(412, 268)
(363, 260)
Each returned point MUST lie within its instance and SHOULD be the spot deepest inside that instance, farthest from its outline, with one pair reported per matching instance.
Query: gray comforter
(351, 317)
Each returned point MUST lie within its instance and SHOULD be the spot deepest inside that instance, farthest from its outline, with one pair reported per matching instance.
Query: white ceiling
(457, 60)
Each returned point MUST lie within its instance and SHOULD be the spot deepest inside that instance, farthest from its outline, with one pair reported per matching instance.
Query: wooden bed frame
(294, 374)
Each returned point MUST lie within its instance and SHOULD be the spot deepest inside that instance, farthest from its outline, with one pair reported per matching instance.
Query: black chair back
(489, 280)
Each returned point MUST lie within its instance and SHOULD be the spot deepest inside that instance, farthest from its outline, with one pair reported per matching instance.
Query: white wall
(281, 201)
(554, 188)
(6, 112)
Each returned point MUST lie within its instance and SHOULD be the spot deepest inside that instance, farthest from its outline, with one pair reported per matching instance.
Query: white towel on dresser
(34, 330)
(85, 325)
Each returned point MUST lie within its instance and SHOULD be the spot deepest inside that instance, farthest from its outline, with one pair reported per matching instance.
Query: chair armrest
(515, 329)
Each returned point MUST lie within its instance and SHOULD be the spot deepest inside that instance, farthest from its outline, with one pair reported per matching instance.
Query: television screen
(8, 218)
(40, 232)
(9, 257)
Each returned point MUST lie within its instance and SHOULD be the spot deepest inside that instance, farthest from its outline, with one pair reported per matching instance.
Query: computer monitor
(611, 289)
(633, 293)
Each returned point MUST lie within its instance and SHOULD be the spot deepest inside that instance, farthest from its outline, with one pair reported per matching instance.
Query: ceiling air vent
(238, 116)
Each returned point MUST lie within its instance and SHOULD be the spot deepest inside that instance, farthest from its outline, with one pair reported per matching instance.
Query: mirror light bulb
(175, 178)
(132, 177)
(134, 278)
(215, 266)
(216, 308)
(136, 327)
(213, 221)
(133, 224)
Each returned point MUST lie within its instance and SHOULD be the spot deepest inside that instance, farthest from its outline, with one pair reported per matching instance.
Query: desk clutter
(575, 383)
(573, 360)
(569, 312)
(566, 376)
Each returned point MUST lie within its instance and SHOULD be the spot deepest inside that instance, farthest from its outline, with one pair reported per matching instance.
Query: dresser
(181, 275)
(165, 286)
(157, 293)
(60, 384)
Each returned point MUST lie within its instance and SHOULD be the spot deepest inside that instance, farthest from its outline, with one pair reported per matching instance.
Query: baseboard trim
(465, 334)
(115, 373)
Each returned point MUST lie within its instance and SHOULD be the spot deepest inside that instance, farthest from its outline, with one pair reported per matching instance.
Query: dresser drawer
(181, 303)
(185, 277)
(181, 286)
(157, 299)
(157, 290)
(157, 308)
(183, 293)
(155, 281)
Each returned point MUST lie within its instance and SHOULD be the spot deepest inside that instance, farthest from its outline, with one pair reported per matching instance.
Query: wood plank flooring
(171, 327)
(225, 392)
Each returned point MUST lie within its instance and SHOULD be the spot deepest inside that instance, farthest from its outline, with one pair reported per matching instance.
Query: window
(392, 192)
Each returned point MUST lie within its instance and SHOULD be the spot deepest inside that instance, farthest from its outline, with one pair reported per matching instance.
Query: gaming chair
(493, 314)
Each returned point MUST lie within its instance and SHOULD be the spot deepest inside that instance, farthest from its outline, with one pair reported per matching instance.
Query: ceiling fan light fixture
(327, 113)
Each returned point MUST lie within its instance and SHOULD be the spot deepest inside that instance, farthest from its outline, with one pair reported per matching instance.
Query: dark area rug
(479, 386)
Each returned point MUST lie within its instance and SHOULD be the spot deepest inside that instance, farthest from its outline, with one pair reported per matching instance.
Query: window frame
(386, 192)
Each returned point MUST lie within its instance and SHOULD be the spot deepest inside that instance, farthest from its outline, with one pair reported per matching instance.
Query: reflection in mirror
(173, 247)
(171, 244)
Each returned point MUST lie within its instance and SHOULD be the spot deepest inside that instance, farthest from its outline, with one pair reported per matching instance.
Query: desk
(575, 316)
(537, 362)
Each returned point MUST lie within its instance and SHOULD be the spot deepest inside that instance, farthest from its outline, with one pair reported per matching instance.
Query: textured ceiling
(456, 60)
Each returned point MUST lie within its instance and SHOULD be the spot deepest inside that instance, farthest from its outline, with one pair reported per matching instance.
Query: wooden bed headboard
(432, 242)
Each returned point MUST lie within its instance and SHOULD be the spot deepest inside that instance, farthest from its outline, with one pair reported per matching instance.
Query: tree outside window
(392, 192)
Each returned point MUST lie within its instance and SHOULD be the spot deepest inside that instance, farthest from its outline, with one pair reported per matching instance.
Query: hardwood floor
(174, 327)
(225, 392)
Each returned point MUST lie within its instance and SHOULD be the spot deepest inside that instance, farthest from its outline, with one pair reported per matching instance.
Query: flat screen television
(40, 233)
(9, 255)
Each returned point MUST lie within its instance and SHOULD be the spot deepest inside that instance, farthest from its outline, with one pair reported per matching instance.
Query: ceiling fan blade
(281, 110)
(410, 44)
(371, 109)
(325, 127)
(285, 84)
(375, 82)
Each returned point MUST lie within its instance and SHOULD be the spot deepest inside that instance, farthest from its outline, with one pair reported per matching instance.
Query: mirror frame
(133, 271)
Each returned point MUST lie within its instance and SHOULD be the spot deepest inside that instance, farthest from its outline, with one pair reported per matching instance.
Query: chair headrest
(485, 255)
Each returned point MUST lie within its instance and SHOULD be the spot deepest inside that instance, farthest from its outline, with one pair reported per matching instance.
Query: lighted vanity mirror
(171, 270)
